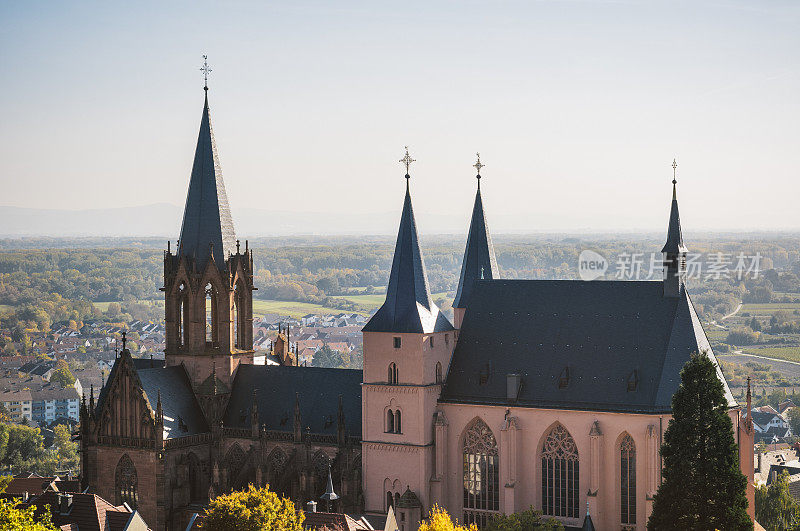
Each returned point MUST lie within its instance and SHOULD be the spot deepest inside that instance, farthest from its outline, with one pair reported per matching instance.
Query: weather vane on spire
(674, 167)
(407, 160)
(478, 166)
(205, 69)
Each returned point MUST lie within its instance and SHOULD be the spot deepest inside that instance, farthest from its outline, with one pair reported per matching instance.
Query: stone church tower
(208, 281)
(407, 348)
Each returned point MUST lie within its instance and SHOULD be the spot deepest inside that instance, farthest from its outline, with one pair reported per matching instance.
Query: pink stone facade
(427, 456)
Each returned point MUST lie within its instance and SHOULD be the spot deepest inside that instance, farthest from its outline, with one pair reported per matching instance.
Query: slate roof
(182, 413)
(276, 386)
(207, 216)
(674, 242)
(408, 306)
(601, 331)
(479, 259)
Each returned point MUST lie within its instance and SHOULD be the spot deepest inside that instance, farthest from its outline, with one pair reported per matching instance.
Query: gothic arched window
(398, 426)
(212, 330)
(481, 474)
(627, 454)
(389, 501)
(126, 482)
(195, 489)
(392, 374)
(234, 462)
(389, 421)
(560, 492)
(438, 372)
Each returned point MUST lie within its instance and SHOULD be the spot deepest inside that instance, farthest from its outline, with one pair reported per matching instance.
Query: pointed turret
(479, 259)
(207, 222)
(674, 250)
(408, 306)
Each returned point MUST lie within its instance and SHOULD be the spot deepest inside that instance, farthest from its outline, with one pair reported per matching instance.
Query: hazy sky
(577, 108)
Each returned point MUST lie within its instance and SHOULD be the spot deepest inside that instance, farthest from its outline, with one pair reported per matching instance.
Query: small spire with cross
(407, 160)
(205, 69)
(478, 166)
(124, 340)
(674, 168)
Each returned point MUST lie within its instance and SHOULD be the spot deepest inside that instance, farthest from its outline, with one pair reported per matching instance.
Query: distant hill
(164, 220)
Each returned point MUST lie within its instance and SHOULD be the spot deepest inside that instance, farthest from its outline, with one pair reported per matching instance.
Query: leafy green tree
(530, 520)
(67, 448)
(794, 420)
(253, 509)
(703, 488)
(776, 509)
(326, 357)
(62, 375)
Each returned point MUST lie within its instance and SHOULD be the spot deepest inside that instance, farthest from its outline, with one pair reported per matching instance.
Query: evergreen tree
(702, 488)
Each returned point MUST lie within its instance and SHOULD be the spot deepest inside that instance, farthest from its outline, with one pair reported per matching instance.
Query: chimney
(312, 506)
(759, 462)
(64, 503)
(513, 384)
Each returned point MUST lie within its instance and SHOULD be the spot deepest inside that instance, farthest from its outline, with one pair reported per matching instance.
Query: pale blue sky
(577, 108)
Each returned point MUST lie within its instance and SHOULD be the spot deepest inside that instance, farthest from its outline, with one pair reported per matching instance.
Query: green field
(292, 309)
(770, 308)
(375, 300)
(716, 334)
(781, 353)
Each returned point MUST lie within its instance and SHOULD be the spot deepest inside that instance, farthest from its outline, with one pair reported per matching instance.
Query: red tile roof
(89, 512)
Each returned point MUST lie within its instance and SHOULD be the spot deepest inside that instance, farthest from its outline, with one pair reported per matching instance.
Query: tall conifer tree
(702, 488)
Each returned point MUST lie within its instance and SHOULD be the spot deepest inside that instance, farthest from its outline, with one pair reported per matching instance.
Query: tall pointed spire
(479, 259)
(408, 306)
(674, 235)
(207, 224)
(674, 250)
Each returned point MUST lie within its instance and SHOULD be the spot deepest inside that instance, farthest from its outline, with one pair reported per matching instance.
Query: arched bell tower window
(212, 330)
(392, 374)
(627, 454)
(389, 421)
(481, 474)
(126, 482)
(560, 492)
(237, 316)
(181, 318)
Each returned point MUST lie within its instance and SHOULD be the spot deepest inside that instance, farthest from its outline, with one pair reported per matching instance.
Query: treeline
(40, 287)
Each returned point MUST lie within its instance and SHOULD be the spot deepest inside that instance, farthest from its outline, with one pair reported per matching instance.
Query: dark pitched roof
(275, 387)
(762, 418)
(182, 413)
(479, 260)
(576, 345)
(207, 216)
(674, 242)
(408, 306)
(89, 512)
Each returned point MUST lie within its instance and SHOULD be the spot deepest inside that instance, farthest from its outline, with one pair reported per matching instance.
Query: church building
(165, 437)
(546, 393)
(543, 393)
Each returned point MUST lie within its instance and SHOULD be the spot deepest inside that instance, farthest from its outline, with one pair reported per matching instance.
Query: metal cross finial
(407, 160)
(205, 69)
(674, 167)
(478, 165)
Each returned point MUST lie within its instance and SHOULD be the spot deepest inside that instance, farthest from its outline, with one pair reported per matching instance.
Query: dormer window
(633, 380)
(563, 378)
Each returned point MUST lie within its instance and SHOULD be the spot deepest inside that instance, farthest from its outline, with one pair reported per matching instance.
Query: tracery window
(627, 454)
(277, 460)
(321, 462)
(481, 474)
(234, 462)
(126, 482)
(560, 494)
